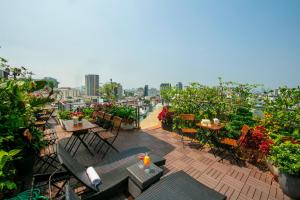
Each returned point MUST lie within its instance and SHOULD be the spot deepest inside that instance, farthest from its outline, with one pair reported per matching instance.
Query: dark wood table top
(143, 179)
(84, 125)
(213, 127)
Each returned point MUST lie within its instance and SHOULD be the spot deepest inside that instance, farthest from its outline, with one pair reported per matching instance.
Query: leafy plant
(282, 114)
(20, 97)
(88, 112)
(7, 171)
(237, 120)
(64, 115)
(286, 156)
(125, 112)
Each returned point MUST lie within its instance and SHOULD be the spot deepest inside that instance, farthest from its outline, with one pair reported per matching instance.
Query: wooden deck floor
(235, 182)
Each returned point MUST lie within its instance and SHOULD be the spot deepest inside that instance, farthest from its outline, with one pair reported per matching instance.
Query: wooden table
(78, 130)
(211, 127)
(212, 131)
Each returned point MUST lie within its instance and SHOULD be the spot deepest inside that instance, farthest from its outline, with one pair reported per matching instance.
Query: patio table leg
(82, 142)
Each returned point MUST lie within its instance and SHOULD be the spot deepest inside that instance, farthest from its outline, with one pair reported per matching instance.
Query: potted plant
(64, 115)
(286, 157)
(128, 115)
(256, 144)
(166, 118)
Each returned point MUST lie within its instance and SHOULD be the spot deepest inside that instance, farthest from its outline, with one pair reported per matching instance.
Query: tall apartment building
(68, 92)
(165, 86)
(3, 74)
(179, 85)
(92, 84)
(146, 90)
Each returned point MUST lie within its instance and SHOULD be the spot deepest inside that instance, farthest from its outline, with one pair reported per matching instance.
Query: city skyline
(138, 42)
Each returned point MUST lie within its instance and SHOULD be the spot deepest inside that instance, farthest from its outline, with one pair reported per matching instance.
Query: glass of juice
(141, 160)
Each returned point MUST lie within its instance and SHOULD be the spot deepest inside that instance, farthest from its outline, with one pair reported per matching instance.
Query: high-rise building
(165, 86)
(146, 90)
(3, 74)
(179, 86)
(119, 93)
(92, 84)
(68, 92)
(153, 92)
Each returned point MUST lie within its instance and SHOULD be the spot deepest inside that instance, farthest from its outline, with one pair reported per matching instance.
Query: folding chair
(104, 123)
(47, 156)
(231, 146)
(186, 127)
(108, 137)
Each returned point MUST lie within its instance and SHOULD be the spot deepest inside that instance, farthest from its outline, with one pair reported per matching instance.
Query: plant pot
(127, 126)
(167, 126)
(273, 169)
(290, 185)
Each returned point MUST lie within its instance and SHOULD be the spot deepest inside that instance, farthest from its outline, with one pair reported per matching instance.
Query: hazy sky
(138, 42)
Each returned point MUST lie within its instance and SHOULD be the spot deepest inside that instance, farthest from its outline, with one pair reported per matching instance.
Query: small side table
(139, 180)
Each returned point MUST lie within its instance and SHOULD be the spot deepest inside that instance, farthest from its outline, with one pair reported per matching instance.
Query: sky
(138, 42)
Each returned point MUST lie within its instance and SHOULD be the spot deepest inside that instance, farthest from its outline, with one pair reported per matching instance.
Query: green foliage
(125, 112)
(109, 91)
(211, 102)
(88, 112)
(286, 156)
(20, 97)
(282, 114)
(7, 171)
(64, 115)
(237, 120)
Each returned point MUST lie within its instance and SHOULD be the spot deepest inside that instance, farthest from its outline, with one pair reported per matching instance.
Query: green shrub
(64, 115)
(286, 157)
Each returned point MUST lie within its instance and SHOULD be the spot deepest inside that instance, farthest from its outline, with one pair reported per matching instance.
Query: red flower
(164, 114)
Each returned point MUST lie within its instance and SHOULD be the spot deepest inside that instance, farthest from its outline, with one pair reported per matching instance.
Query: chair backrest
(116, 122)
(187, 120)
(187, 117)
(107, 124)
(244, 133)
(74, 167)
(107, 117)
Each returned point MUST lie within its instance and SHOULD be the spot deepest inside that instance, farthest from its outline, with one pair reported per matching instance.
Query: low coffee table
(139, 180)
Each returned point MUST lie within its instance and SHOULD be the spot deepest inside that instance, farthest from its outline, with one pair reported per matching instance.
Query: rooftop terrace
(247, 182)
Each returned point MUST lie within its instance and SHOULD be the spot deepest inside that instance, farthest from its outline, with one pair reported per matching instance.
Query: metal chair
(186, 127)
(47, 157)
(108, 137)
(232, 146)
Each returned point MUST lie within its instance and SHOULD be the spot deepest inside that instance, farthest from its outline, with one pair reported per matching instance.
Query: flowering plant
(165, 114)
(80, 115)
(258, 139)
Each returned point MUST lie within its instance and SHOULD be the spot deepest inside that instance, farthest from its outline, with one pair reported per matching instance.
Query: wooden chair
(47, 155)
(104, 124)
(186, 127)
(109, 137)
(232, 146)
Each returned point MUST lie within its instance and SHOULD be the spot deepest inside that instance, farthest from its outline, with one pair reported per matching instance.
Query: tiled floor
(235, 182)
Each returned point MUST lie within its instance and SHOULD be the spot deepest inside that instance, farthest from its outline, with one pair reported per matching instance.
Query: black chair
(180, 186)
(108, 137)
(112, 171)
(47, 159)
